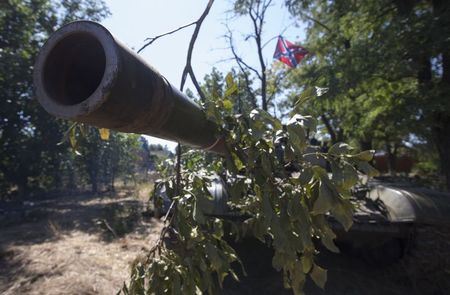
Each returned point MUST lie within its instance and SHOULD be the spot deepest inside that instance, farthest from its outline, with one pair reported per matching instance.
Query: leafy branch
(286, 208)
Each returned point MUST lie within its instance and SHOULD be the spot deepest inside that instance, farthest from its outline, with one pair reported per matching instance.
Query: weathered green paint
(83, 74)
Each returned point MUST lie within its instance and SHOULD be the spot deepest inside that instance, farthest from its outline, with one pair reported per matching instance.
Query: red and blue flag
(289, 53)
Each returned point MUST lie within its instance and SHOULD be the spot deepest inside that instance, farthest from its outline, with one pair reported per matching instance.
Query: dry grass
(69, 251)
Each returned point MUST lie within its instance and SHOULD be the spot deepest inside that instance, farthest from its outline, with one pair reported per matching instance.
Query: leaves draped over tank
(276, 180)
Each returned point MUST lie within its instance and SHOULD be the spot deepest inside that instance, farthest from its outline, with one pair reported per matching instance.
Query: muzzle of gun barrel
(84, 74)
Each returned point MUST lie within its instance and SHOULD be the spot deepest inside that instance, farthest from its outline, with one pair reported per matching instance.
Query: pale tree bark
(256, 11)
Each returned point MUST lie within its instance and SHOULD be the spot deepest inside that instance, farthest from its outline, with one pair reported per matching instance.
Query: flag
(289, 53)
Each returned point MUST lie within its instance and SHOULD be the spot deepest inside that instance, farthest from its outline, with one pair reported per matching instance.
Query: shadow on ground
(110, 216)
(80, 244)
(348, 274)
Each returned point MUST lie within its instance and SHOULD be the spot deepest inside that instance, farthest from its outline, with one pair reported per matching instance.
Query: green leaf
(84, 129)
(344, 175)
(232, 87)
(365, 156)
(339, 149)
(227, 104)
(297, 279)
(269, 119)
(289, 153)
(307, 261)
(72, 137)
(267, 209)
(305, 176)
(319, 276)
(328, 241)
(350, 177)
(214, 257)
(307, 122)
(325, 201)
(279, 260)
(218, 228)
(343, 212)
(367, 169)
(198, 212)
(297, 136)
(261, 116)
(266, 165)
(304, 96)
(237, 162)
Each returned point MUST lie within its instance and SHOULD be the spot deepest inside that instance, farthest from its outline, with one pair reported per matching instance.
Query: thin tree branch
(268, 41)
(238, 59)
(241, 64)
(316, 21)
(274, 37)
(278, 78)
(188, 68)
(258, 22)
(153, 39)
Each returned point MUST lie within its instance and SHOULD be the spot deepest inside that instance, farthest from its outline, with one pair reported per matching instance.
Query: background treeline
(33, 159)
(377, 76)
(387, 67)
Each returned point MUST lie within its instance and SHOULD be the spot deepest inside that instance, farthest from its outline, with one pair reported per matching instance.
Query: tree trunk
(71, 182)
(93, 177)
(94, 187)
(330, 129)
(113, 177)
(441, 134)
(365, 145)
(392, 158)
(57, 181)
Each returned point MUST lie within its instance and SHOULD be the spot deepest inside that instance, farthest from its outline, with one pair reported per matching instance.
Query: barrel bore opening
(74, 69)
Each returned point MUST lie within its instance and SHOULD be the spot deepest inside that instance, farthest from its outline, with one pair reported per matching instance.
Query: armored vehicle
(84, 74)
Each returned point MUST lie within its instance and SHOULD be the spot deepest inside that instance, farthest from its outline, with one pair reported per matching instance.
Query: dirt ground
(74, 245)
(85, 245)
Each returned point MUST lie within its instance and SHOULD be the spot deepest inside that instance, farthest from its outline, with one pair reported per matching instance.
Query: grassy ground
(75, 245)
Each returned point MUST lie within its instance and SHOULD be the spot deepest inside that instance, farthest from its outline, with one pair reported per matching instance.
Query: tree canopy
(31, 157)
(386, 66)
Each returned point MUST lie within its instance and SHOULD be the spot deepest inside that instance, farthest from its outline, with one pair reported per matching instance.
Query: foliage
(30, 157)
(215, 85)
(387, 67)
(273, 177)
(102, 155)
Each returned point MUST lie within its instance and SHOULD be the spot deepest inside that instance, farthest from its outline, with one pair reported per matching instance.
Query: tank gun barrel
(84, 74)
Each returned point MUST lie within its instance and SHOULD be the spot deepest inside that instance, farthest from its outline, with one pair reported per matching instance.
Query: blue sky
(134, 20)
